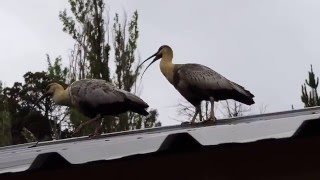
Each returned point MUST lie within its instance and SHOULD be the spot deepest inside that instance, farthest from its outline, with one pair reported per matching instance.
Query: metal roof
(121, 144)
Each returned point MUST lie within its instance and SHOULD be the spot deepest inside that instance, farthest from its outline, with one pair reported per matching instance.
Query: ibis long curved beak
(154, 60)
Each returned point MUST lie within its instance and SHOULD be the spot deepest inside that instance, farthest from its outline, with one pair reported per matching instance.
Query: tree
(51, 115)
(310, 99)
(5, 120)
(28, 123)
(90, 57)
(58, 74)
(21, 98)
(16, 111)
(125, 36)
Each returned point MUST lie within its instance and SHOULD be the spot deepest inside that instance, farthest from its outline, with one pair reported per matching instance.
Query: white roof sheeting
(116, 145)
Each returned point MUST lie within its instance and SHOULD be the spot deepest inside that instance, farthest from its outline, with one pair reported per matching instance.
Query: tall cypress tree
(90, 58)
(310, 98)
(125, 45)
(5, 120)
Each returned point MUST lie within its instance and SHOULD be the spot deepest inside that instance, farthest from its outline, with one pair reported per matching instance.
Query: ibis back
(96, 96)
(197, 82)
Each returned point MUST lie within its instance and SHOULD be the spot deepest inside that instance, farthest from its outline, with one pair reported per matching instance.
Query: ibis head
(164, 50)
(56, 91)
(52, 88)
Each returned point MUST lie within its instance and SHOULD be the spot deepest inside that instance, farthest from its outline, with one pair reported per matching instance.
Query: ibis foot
(186, 123)
(210, 120)
(93, 135)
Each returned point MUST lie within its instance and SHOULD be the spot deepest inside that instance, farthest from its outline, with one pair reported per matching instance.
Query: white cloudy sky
(266, 45)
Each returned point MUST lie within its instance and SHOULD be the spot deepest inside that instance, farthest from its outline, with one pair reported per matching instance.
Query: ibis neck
(166, 67)
(62, 97)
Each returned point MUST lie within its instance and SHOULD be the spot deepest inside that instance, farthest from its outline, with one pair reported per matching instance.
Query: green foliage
(55, 70)
(58, 74)
(151, 121)
(2, 97)
(5, 126)
(20, 119)
(5, 120)
(77, 118)
(124, 51)
(87, 27)
(310, 99)
(90, 57)
(125, 46)
(20, 102)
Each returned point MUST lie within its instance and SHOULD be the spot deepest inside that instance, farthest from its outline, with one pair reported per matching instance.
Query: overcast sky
(266, 46)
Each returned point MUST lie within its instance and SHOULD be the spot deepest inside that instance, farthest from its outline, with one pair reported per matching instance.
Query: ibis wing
(96, 92)
(133, 98)
(206, 80)
(202, 77)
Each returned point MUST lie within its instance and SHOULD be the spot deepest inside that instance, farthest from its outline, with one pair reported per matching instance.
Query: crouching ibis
(95, 98)
(196, 82)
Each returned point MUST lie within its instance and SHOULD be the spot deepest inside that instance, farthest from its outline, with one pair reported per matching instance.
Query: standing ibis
(95, 98)
(196, 82)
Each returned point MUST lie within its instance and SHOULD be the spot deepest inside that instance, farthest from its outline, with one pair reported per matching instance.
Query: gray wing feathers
(206, 78)
(133, 98)
(95, 92)
(203, 77)
(101, 96)
(241, 89)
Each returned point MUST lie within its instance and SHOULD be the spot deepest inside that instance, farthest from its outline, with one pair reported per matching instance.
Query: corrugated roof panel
(246, 132)
(117, 145)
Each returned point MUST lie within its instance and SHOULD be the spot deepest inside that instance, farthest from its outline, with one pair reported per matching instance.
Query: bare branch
(263, 108)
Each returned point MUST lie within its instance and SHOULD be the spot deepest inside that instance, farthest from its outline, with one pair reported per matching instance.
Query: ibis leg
(212, 117)
(85, 123)
(200, 113)
(198, 110)
(97, 129)
(194, 116)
